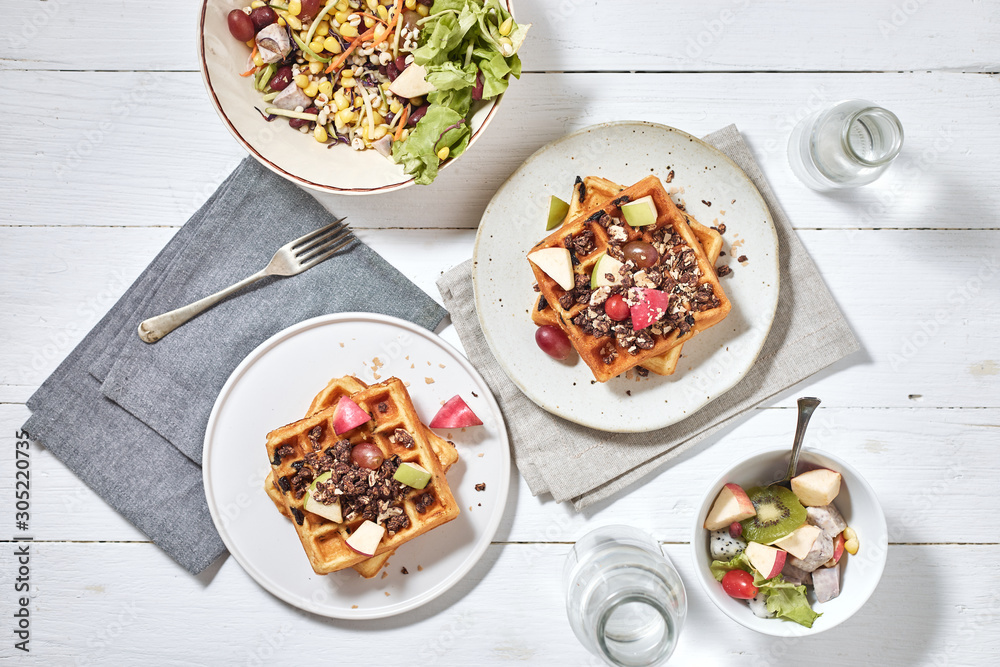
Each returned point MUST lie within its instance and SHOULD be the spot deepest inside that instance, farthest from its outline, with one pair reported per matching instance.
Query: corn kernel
(410, 4)
(372, 4)
(320, 134)
(405, 134)
(443, 153)
(311, 90)
(348, 31)
(369, 21)
(379, 30)
(364, 132)
(382, 12)
(423, 10)
(257, 3)
(386, 84)
(326, 88)
(346, 83)
(358, 102)
(346, 116)
(851, 544)
(323, 29)
(377, 117)
(258, 61)
(295, 7)
(317, 46)
(337, 123)
(294, 23)
(282, 22)
(301, 80)
(380, 132)
(341, 16)
(341, 100)
(342, 7)
(395, 106)
(506, 41)
(315, 68)
(506, 26)
(332, 44)
(416, 101)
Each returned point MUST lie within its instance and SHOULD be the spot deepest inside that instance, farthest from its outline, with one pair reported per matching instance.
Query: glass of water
(626, 602)
(850, 144)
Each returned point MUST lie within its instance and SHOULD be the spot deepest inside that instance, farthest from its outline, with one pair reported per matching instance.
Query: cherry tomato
(616, 308)
(240, 25)
(739, 584)
(553, 341)
(367, 455)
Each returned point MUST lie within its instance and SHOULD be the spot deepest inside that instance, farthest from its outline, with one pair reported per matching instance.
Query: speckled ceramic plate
(275, 384)
(713, 189)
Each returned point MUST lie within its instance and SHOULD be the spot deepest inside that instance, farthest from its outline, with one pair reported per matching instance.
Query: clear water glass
(848, 145)
(626, 602)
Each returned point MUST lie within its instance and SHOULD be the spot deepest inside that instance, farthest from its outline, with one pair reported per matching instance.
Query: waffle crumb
(341, 345)
(420, 568)
(387, 593)
(429, 380)
(354, 606)
(377, 364)
(404, 571)
(385, 574)
(481, 486)
(440, 365)
(481, 455)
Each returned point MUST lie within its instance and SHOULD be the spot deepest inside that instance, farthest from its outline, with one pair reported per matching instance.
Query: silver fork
(290, 260)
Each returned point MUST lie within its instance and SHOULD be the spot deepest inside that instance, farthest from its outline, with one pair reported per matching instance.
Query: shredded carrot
(402, 123)
(392, 23)
(342, 58)
(253, 69)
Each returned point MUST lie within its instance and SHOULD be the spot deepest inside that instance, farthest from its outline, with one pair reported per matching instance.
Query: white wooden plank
(924, 312)
(148, 149)
(572, 35)
(942, 462)
(128, 603)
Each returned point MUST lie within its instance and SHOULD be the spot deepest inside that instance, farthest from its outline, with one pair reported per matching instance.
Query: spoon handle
(807, 406)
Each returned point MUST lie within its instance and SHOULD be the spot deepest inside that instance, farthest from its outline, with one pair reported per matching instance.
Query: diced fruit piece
(851, 543)
(650, 306)
(838, 551)
(553, 341)
(794, 575)
(411, 82)
(455, 413)
(732, 504)
(736, 529)
(605, 266)
(367, 455)
(827, 518)
(556, 264)
(739, 584)
(766, 560)
(640, 212)
(557, 212)
(822, 551)
(412, 475)
(348, 415)
(758, 605)
(366, 538)
(616, 308)
(800, 541)
(331, 512)
(779, 512)
(826, 583)
(723, 546)
(817, 487)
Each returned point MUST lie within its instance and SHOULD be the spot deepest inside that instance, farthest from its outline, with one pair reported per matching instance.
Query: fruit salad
(772, 546)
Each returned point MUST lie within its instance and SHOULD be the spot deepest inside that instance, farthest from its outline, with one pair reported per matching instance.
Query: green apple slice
(640, 212)
(557, 212)
(330, 512)
(366, 538)
(412, 474)
(556, 264)
(606, 264)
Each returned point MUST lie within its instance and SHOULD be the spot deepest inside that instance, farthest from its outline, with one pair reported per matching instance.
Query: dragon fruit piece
(758, 605)
(724, 546)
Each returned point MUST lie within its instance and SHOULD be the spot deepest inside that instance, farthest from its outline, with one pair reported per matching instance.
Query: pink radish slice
(455, 413)
(348, 415)
(652, 306)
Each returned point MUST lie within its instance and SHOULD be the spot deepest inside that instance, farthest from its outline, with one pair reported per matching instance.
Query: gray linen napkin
(572, 462)
(136, 437)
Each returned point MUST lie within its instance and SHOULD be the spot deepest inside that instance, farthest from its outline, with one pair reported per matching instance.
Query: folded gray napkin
(129, 418)
(573, 462)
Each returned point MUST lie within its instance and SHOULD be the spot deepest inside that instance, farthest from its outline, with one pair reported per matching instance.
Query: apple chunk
(412, 475)
(455, 413)
(766, 560)
(640, 212)
(817, 487)
(650, 306)
(800, 541)
(557, 212)
(605, 266)
(556, 264)
(331, 512)
(411, 82)
(348, 415)
(366, 538)
(733, 504)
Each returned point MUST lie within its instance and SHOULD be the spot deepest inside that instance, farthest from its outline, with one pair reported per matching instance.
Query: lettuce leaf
(784, 599)
(440, 127)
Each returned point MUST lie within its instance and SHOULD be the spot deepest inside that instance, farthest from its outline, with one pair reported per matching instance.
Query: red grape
(262, 17)
(310, 8)
(367, 455)
(616, 308)
(553, 341)
(240, 26)
(643, 254)
(739, 584)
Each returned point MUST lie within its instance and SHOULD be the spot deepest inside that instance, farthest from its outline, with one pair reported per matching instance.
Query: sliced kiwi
(779, 512)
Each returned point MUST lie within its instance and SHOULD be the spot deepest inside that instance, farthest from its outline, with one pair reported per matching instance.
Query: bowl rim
(789, 629)
(284, 173)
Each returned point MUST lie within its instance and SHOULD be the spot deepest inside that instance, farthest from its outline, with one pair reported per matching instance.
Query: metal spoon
(807, 406)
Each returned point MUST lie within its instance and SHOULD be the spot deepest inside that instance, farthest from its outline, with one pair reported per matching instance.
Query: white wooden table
(109, 143)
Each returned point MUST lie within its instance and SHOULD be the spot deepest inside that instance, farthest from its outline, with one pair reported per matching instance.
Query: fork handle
(155, 328)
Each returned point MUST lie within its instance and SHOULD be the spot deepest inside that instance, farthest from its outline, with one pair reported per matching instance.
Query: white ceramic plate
(274, 385)
(287, 152)
(625, 152)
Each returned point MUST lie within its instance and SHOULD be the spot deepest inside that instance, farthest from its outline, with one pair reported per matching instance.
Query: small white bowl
(287, 152)
(860, 573)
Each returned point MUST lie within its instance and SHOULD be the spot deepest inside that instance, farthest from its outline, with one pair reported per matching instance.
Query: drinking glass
(850, 144)
(626, 602)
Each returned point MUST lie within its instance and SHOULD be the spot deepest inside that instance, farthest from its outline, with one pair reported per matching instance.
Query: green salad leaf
(460, 42)
(784, 599)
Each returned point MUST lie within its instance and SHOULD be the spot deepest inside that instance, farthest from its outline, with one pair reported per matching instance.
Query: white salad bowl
(860, 573)
(287, 152)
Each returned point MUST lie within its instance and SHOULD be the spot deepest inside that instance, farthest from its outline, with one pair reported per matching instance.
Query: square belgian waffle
(598, 191)
(329, 397)
(614, 351)
(299, 452)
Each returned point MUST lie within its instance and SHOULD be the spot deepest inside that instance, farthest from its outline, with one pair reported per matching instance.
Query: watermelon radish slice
(652, 305)
(455, 413)
(348, 415)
